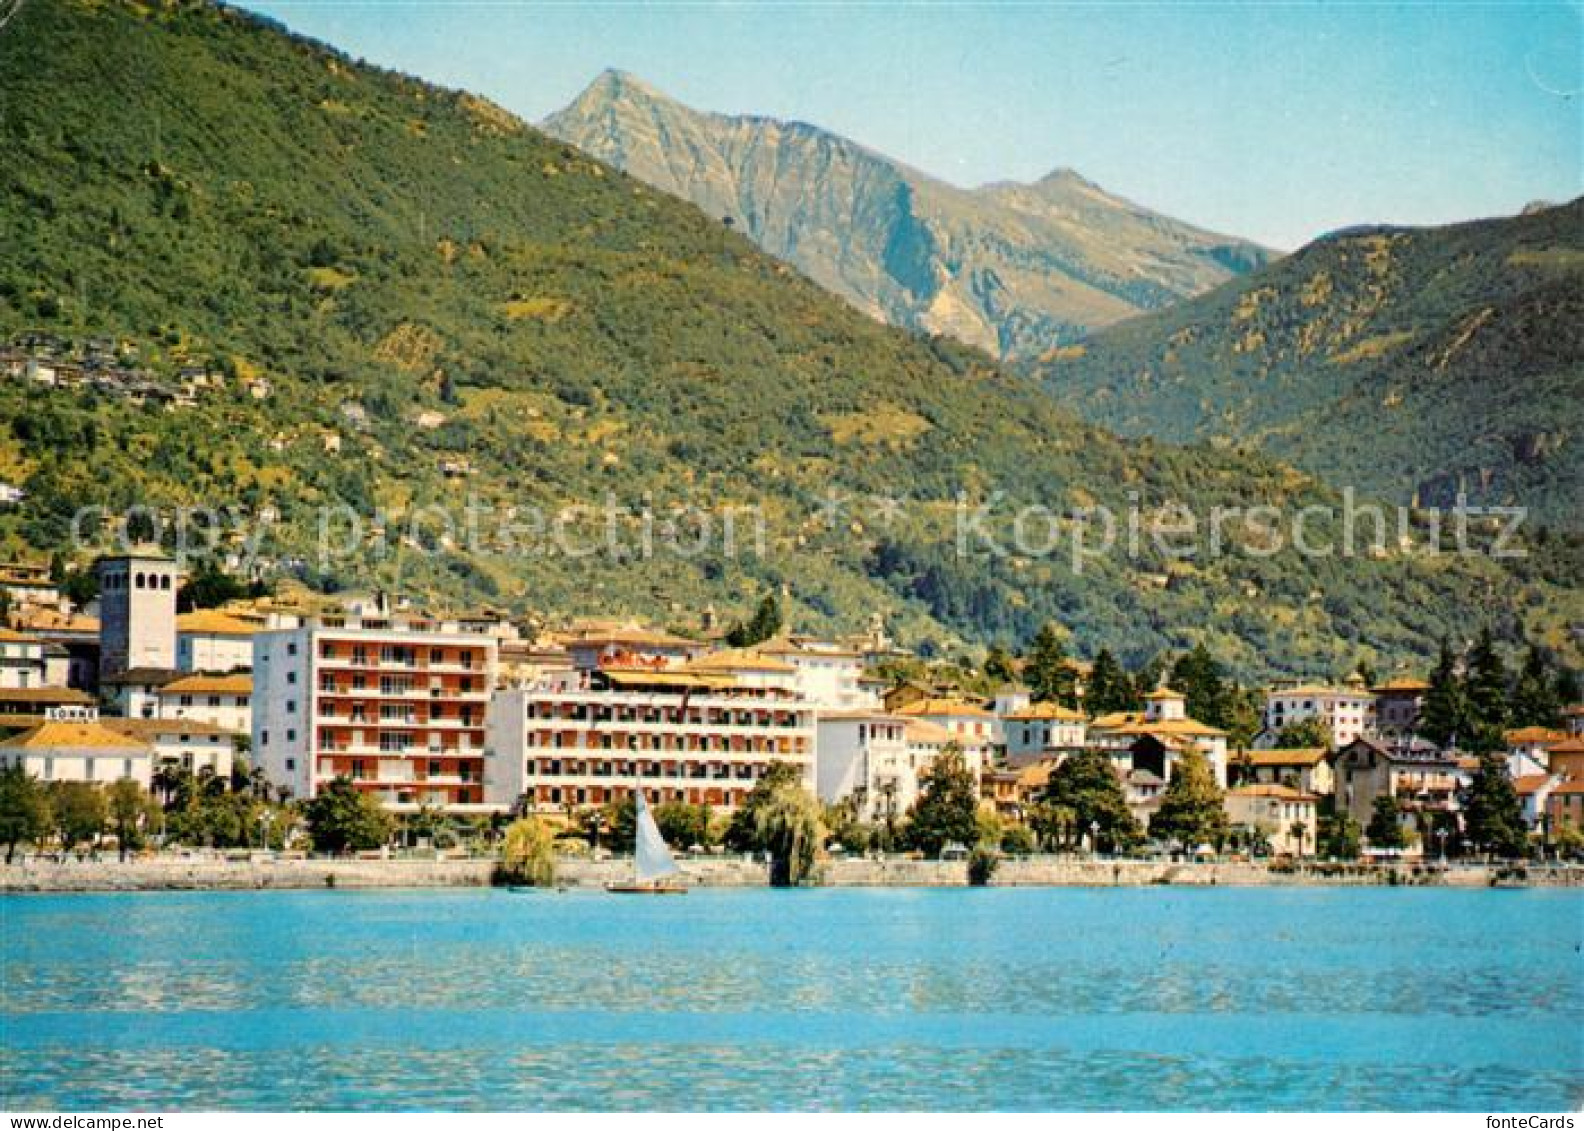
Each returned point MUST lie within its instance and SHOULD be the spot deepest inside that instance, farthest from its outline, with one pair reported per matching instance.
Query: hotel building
(396, 705)
(587, 737)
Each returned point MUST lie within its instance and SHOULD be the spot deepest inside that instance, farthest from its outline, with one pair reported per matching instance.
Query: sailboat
(653, 866)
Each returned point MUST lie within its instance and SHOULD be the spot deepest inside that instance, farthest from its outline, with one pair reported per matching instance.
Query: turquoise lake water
(1062, 998)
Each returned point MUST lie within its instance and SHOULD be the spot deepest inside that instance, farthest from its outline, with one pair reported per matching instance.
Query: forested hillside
(406, 296)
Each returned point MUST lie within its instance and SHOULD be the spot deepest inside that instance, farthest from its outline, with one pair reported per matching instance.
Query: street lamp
(1441, 835)
(1094, 836)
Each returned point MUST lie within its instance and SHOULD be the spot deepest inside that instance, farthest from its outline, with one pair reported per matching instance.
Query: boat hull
(645, 889)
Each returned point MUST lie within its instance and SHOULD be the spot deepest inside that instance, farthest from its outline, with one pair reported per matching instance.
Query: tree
(1534, 698)
(1304, 734)
(528, 853)
(621, 824)
(764, 624)
(1192, 810)
(1336, 833)
(1108, 688)
(1385, 827)
(683, 825)
(132, 811)
(1199, 678)
(209, 587)
(1245, 715)
(1486, 693)
(343, 819)
(998, 665)
(782, 818)
(79, 812)
(1047, 670)
(1492, 813)
(1568, 842)
(24, 809)
(946, 811)
(1084, 791)
(1446, 711)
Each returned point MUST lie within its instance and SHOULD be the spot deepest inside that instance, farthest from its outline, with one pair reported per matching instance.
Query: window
(291, 735)
(291, 706)
(263, 738)
(291, 764)
(214, 700)
(291, 647)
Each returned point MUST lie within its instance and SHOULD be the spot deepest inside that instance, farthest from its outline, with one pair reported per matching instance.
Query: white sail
(652, 859)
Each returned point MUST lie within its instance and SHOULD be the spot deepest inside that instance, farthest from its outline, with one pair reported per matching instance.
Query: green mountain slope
(1410, 363)
(1013, 269)
(448, 307)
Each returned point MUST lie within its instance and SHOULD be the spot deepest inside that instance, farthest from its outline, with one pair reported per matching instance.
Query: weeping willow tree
(528, 856)
(780, 817)
(789, 828)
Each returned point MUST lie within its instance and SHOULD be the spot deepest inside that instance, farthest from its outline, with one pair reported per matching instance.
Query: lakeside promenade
(217, 873)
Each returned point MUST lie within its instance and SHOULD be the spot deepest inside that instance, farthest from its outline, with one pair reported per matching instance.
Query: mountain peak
(878, 232)
(616, 85)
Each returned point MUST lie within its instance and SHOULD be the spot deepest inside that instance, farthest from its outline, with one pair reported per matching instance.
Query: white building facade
(864, 755)
(589, 739)
(395, 705)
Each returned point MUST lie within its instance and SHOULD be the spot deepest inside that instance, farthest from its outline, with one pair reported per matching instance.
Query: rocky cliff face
(1014, 269)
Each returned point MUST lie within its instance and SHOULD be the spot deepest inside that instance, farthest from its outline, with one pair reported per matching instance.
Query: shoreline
(42, 876)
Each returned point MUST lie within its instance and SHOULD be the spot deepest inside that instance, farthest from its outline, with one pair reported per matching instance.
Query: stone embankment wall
(218, 874)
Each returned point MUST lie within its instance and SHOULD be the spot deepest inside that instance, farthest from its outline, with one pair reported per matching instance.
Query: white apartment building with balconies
(397, 705)
(588, 738)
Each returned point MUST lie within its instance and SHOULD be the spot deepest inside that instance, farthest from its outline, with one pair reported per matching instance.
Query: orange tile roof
(1172, 727)
(1048, 711)
(1303, 756)
(947, 707)
(918, 730)
(52, 696)
(1165, 693)
(74, 736)
(1571, 746)
(148, 729)
(209, 685)
(1530, 783)
(212, 622)
(9, 636)
(877, 714)
(737, 660)
(1037, 775)
(1280, 792)
(1540, 736)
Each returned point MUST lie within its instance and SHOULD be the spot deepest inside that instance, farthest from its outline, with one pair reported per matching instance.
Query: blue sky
(1272, 121)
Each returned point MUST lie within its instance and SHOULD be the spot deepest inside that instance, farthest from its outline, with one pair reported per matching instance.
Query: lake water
(1169, 998)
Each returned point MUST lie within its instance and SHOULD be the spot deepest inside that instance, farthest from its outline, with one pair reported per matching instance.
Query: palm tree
(168, 781)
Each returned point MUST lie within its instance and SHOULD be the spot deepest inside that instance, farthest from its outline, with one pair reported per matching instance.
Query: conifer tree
(1047, 670)
(1492, 813)
(1485, 689)
(1534, 698)
(1445, 712)
(1199, 677)
(1109, 688)
(1192, 810)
